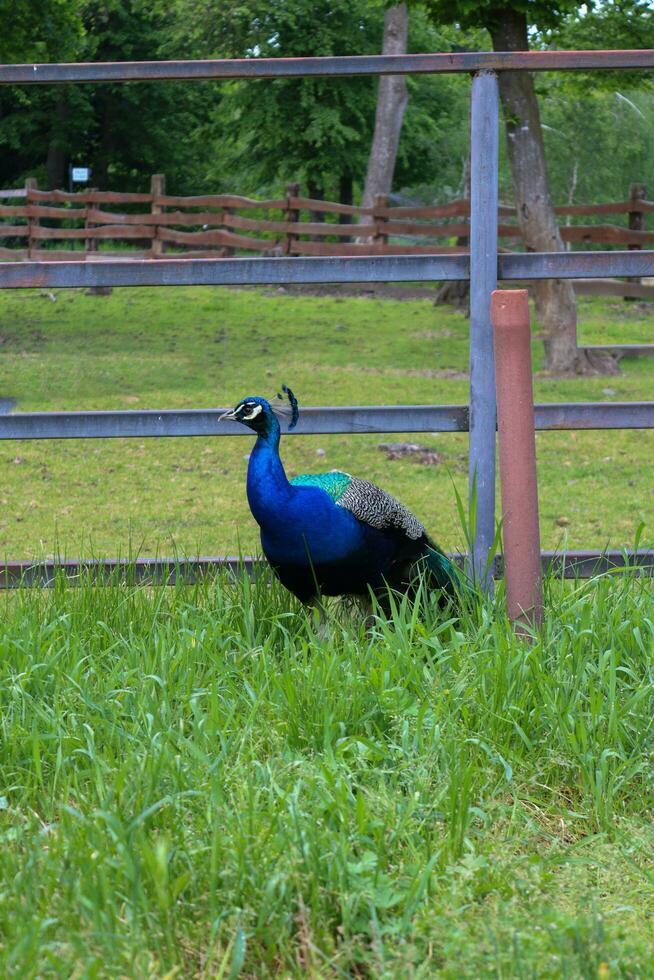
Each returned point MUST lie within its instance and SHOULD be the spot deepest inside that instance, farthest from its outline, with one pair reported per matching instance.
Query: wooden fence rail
(59, 225)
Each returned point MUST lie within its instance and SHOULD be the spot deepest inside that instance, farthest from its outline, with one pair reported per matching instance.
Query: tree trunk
(316, 193)
(108, 108)
(556, 306)
(392, 99)
(56, 160)
(345, 196)
(55, 165)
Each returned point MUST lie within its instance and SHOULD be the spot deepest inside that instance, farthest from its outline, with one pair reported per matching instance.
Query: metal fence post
(484, 139)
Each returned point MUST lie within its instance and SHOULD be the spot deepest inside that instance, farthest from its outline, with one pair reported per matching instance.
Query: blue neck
(267, 484)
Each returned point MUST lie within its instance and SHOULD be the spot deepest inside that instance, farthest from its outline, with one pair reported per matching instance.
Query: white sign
(81, 175)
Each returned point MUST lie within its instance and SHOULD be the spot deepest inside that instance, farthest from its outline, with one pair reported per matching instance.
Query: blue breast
(303, 522)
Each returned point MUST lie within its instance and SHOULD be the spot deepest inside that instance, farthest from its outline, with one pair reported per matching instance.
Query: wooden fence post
(636, 222)
(91, 244)
(157, 189)
(380, 237)
(31, 184)
(291, 214)
(227, 251)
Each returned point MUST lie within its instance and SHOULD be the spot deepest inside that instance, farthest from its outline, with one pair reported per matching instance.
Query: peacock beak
(227, 416)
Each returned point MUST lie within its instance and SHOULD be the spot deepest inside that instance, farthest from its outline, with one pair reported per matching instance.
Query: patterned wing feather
(368, 502)
(372, 505)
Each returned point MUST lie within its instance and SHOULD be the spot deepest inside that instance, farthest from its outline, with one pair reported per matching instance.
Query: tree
(609, 24)
(392, 99)
(36, 30)
(316, 130)
(508, 22)
(124, 131)
(615, 106)
(141, 128)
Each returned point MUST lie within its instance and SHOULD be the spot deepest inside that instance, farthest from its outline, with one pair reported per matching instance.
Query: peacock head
(261, 415)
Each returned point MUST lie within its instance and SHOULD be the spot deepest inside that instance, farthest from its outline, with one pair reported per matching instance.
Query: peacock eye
(252, 409)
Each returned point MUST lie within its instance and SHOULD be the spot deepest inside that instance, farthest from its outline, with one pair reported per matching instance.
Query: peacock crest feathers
(288, 410)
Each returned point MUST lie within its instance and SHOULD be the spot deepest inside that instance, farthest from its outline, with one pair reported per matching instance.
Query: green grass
(196, 785)
(149, 348)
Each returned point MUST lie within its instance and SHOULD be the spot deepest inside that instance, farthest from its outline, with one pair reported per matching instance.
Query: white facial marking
(253, 414)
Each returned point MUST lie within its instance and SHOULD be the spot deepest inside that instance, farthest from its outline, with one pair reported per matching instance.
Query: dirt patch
(413, 451)
(432, 334)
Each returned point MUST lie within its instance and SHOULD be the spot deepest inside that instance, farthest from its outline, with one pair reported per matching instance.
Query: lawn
(149, 348)
(196, 785)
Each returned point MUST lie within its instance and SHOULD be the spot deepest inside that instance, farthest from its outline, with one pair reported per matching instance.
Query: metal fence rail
(352, 419)
(408, 64)
(302, 269)
(483, 266)
(169, 571)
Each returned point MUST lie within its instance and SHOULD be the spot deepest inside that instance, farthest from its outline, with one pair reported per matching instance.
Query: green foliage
(608, 24)
(489, 13)
(253, 136)
(125, 132)
(616, 121)
(196, 784)
(144, 128)
(318, 130)
(313, 129)
(39, 30)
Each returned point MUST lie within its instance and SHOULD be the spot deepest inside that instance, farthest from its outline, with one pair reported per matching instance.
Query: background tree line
(569, 137)
(252, 137)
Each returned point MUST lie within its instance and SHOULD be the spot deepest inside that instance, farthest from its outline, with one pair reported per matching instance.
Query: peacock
(332, 534)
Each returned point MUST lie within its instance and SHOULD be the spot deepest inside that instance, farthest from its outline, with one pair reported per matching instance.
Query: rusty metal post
(515, 422)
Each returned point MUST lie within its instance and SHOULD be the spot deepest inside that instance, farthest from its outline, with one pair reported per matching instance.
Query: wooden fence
(101, 224)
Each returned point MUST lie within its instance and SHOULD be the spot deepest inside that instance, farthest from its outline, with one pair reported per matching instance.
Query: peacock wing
(369, 503)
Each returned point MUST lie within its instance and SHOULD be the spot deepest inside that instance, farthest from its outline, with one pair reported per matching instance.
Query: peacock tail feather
(447, 576)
